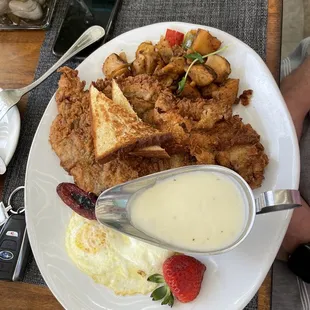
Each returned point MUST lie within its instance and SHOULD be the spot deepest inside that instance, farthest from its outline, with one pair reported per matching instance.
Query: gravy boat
(113, 209)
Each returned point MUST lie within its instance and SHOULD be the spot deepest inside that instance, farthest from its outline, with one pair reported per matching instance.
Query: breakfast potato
(115, 66)
(228, 91)
(138, 65)
(164, 49)
(123, 56)
(220, 65)
(145, 48)
(174, 67)
(201, 74)
(207, 91)
(166, 80)
(190, 91)
(146, 59)
(204, 43)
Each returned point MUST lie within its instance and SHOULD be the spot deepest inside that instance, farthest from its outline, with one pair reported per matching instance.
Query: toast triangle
(116, 128)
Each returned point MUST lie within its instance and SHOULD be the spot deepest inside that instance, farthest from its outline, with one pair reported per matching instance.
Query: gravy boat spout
(113, 205)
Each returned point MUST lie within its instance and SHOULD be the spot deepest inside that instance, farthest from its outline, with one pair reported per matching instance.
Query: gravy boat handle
(277, 200)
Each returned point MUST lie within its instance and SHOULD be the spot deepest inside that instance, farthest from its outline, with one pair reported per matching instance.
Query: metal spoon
(10, 97)
(113, 209)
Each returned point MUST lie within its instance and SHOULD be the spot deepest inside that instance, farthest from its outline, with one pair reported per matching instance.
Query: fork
(10, 97)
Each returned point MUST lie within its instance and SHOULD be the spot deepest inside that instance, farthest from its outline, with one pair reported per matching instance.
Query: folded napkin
(289, 292)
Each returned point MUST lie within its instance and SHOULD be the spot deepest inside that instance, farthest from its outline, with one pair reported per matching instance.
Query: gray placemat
(245, 19)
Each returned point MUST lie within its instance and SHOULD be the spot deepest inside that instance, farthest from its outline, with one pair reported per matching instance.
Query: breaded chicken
(204, 132)
(70, 133)
(142, 92)
(248, 160)
(125, 169)
(204, 113)
(234, 145)
(70, 138)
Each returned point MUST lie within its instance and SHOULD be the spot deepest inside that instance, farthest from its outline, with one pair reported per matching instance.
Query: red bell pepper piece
(174, 37)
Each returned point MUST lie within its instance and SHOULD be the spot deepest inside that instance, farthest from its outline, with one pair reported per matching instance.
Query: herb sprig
(195, 57)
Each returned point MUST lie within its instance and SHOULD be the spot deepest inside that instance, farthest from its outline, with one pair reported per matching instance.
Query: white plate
(231, 279)
(9, 134)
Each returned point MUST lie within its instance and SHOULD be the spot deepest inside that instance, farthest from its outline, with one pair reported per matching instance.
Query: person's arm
(295, 89)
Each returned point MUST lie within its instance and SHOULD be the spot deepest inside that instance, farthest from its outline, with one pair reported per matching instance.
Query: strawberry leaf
(156, 278)
(194, 56)
(159, 293)
(169, 299)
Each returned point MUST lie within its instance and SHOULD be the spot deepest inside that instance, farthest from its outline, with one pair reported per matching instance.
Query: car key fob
(14, 248)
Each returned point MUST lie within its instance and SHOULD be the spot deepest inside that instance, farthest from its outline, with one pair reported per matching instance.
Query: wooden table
(19, 52)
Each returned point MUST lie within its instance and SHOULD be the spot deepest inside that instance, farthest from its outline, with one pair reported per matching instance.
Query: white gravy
(200, 211)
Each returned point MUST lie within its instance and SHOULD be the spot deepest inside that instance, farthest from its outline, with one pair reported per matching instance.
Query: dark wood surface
(274, 37)
(19, 53)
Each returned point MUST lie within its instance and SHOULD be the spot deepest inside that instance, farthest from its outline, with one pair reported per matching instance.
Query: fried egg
(119, 262)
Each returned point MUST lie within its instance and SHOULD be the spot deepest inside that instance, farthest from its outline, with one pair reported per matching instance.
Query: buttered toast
(116, 128)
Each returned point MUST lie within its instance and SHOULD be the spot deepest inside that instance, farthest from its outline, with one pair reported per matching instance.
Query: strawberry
(182, 279)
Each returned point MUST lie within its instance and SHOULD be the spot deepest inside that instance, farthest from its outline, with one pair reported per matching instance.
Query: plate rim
(13, 120)
(275, 87)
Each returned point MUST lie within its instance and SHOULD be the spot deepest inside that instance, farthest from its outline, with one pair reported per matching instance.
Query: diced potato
(122, 71)
(205, 43)
(138, 65)
(165, 80)
(202, 75)
(123, 56)
(174, 67)
(207, 91)
(228, 91)
(178, 51)
(159, 66)
(220, 65)
(164, 49)
(114, 66)
(190, 92)
(148, 63)
(145, 47)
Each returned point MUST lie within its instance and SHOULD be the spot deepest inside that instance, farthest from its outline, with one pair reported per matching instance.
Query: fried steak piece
(232, 144)
(125, 169)
(207, 129)
(70, 133)
(204, 132)
(70, 138)
(141, 91)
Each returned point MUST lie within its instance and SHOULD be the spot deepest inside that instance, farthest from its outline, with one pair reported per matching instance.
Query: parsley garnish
(195, 57)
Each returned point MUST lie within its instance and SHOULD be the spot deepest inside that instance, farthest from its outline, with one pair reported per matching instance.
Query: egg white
(119, 262)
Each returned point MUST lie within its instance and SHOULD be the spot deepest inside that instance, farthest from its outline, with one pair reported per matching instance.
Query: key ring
(19, 210)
